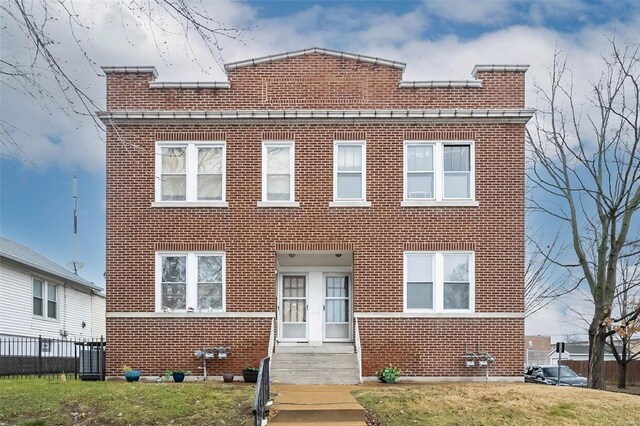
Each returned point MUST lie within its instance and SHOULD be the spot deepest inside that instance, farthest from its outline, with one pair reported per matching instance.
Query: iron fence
(45, 357)
(261, 402)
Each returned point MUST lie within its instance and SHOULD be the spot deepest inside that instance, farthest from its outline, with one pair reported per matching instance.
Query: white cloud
(472, 11)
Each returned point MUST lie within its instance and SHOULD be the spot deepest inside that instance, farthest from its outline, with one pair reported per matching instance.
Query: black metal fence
(262, 396)
(44, 357)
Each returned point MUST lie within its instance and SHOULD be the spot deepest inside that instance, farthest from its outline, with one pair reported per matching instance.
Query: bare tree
(32, 21)
(624, 323)
(587, 161)
(545, 281)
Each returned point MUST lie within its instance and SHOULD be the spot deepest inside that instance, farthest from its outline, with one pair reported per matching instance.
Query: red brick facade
(377, 235)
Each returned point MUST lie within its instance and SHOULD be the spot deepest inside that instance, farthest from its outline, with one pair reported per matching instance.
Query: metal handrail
(261, 400)
(358, 350)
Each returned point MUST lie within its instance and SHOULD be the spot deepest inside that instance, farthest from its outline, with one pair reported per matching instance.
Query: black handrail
(262, 394)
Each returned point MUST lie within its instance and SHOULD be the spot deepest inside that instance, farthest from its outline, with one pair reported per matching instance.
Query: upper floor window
(278, 166)
(349, 171)
(439, 282)
(190, 172)
(190, 281)
(438, 171)
(45, 299)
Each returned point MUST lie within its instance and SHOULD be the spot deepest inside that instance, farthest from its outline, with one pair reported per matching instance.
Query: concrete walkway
(316, 404)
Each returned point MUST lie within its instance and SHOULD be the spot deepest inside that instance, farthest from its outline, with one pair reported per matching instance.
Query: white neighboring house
(38, 297)
(578, 351)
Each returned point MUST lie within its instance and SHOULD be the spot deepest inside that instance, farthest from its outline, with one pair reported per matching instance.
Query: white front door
(314, 307)
(293, 308)
(337, 308)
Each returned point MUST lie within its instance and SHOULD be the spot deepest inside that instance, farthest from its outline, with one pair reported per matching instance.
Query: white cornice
(438, 315)
(328, 52)
(524, 114)
(501, 68)
(189, 85)
(443, 83)
(190, 315)
(131, 70)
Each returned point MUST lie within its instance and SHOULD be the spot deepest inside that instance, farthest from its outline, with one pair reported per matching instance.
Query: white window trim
(438, 175)
(438, 282)
(291, 202)
(350, 202)
(45, 299)
(191, 167)
(192, 279)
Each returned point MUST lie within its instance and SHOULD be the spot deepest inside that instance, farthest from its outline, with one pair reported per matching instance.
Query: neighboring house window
(190, 172)
(191, 281)
(38, 297)
(44, 291)
(438, 171)
(52, 301)
(349, 171)
(278, 166)
(439, 281)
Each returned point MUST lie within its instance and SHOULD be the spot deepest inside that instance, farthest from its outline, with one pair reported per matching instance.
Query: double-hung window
(45, 299)
(349, 172)
(190, 172)
(438, 171)
(278, 174)
(190, 281)
(439, 282)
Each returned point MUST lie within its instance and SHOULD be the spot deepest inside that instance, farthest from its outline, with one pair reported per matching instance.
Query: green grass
(53, 402)
(496, 404)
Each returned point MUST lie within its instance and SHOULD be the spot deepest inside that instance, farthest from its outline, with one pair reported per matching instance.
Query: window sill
(188, 204)
(432, 203)
(350, 204)
(278, 204)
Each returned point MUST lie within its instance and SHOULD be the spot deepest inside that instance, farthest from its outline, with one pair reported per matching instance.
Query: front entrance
(314, 302)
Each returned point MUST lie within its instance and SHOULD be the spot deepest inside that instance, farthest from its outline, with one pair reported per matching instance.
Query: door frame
(325, 275)
(280, 284)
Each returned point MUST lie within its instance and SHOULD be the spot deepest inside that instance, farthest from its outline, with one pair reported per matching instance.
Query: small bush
(389, 374)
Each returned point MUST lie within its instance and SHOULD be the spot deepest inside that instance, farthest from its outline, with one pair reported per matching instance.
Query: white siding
(74, 307)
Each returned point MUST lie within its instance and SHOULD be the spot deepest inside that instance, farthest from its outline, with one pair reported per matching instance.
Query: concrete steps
(315, 405)
(315, 365)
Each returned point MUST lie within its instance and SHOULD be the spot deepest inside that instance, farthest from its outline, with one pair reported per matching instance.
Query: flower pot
(132, 375)
(178, 377)
(227, 377)
(250, 376)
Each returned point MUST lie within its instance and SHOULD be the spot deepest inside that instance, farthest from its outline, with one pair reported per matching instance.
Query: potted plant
(389, 374)
(250, 374)
(130, 374)
(178, 375)
(227, 377)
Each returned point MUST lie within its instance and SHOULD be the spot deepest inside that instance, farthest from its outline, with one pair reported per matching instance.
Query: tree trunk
(622, 375)
(597, 340)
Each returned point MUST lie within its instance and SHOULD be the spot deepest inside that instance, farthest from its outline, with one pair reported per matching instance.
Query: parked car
(548, 375)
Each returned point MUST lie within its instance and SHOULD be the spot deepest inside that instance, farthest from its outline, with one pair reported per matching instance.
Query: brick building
(316, 201)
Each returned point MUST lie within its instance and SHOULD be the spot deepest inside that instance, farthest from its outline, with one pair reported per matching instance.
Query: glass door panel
(294, 307)
(337, 318)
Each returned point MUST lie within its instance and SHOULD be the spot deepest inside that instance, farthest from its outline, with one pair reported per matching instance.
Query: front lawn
(496, 404)
(52, 402)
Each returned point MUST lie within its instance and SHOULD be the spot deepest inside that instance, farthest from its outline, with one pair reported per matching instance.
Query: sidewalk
(316, 404)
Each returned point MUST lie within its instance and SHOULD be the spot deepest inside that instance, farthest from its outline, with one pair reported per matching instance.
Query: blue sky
(438, 40)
